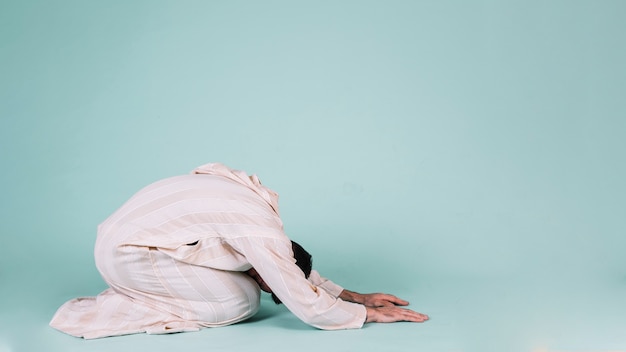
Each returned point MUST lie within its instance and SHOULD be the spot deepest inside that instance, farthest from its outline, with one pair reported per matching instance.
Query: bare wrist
(351, 296)
(370, 313)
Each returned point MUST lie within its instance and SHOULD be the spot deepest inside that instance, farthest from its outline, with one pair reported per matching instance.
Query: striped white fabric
(174, 256)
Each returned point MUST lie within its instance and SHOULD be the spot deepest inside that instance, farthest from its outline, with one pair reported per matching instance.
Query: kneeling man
(194, 251)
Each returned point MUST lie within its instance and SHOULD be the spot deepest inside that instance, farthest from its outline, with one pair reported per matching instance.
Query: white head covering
(241, 177)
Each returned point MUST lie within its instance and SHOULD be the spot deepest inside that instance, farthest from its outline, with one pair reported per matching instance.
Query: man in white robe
(194, 251)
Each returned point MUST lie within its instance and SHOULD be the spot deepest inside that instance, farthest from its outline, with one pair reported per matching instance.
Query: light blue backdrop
(409, 140)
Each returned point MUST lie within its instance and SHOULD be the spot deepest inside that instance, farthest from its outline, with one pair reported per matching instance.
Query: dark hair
(303, 260)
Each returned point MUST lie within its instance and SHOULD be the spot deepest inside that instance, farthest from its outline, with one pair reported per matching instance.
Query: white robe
(174, 256)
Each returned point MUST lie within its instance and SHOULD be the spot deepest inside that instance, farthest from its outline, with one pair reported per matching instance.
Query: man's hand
(393, 314)
(381, 300)
(373, 299)
(383, 308)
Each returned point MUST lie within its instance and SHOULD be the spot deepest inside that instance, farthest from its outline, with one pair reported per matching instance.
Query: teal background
(466, 155)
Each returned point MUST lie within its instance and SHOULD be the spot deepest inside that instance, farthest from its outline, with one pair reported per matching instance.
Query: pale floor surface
(466, 315)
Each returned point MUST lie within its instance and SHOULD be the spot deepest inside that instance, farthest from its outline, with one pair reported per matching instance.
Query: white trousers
(194, 293)
(154, 293)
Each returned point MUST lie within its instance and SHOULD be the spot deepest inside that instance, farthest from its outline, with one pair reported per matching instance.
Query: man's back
(183, 209)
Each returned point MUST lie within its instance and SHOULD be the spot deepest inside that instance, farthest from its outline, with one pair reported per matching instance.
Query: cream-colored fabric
(174, 255)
